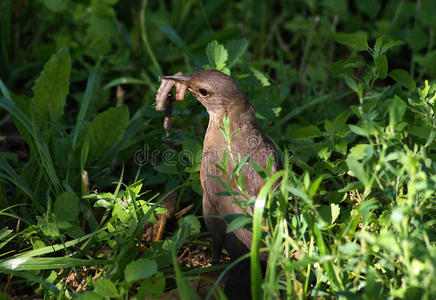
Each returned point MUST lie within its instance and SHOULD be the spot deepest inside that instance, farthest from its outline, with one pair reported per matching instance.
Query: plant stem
(145, 39)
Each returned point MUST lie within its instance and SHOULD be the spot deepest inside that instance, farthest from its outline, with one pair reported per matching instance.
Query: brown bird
(222, 97)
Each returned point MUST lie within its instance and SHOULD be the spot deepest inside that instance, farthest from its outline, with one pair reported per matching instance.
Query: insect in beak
(177, 78)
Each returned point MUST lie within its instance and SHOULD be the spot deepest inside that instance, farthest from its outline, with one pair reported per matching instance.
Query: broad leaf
(140, 269)
(66, 207)
(191, 224)
(175, 38)
(381, 65)
(106, 130)
(217, 55)
(260, 76)
(335, 210)
(358, 151)
(51, 88)
(192, 150)
(357, 130)
(47, 228)
(152, 286)
(235, 49)
(307, 132)
(356, 167)
(397, 109)
(389, 45)
(238, 222)
(105, 288)
(354, 40)
(55, 5)
(403, 78)
(369, 7)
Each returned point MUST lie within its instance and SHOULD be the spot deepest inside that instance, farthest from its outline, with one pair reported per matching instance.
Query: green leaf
(381, 66)
(330, 269)
(88, 295)
(369, 7)
(356, 167)
(345, 67)
(135, 188)
(422, 132)
(351, 186)
(168, 167)
(358, 151)
(110, 2)
(47, 228)
(238, 222)
(389, 45)
(91, 87)
(47, 263)
(192, 150)
(235, 49)
(190, 222)
(349, 248)
(74, 231)
(152, 287)
(260, 76)
(51, 88)
(314, 186)
(241, 163)
(66, 207)
(175, 38)
(357, 130)
(105, 288)
(121, 212)
(217, 55)
(377, 47)
(356, 40)
(5, 233)
(425, 14)
(5, 91)
(430, 139)
(259, 170)
(56, 5)
(424, 92)
(397, 109)
(403, 78)
(324, 153)
(325, 213)
(106, 130)
(351, 83)
(335, 210)
(256, 273)
(416, 38)
(338, 126)
(140, 269)
(307, 132)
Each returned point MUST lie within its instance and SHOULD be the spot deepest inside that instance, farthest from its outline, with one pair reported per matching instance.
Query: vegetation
(346, 90)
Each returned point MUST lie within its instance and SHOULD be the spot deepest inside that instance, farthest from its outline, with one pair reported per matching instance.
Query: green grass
(346, 90)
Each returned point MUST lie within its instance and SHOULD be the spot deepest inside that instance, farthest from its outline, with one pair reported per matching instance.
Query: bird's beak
(178, 78)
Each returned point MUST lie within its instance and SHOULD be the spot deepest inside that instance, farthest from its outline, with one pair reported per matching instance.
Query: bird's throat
(237, 115)
(240, 116)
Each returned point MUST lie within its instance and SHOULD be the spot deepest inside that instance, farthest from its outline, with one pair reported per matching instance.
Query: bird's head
(214, 89)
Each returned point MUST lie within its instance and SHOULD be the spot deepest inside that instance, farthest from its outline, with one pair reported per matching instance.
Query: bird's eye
(203, 92)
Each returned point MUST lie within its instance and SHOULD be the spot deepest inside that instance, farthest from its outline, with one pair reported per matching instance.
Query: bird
(222, 97)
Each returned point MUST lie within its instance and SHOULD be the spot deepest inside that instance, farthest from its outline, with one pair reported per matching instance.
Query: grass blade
(46, 263)
(90, 86)
(259, 206)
